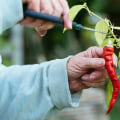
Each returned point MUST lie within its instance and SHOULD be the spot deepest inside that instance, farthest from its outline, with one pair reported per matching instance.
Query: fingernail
(70, 23)
(92, 77)
(42, 35)
(84, 77)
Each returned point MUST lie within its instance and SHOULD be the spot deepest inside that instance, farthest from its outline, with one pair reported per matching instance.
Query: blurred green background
(20, 45)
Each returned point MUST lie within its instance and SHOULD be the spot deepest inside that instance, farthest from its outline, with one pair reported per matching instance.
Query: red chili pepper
(107, 54)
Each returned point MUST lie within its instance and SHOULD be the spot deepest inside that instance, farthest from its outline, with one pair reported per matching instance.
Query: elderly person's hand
(52, 7)
(87, 69)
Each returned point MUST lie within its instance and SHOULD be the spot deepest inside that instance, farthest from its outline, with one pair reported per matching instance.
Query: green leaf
(103, 27)
(109, 91)
(74, 11)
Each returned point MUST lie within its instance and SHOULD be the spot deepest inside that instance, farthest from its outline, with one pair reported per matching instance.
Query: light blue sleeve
(11, 12)
(35, 92)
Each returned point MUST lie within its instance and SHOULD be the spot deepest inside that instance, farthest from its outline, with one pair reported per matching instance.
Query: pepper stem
(109, 43)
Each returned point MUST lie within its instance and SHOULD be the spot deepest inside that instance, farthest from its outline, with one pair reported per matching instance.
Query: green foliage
(101, 26)
(109, 90)
(6, 48)
(75, 10)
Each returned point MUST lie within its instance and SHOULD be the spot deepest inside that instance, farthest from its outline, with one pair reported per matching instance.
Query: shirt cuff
(10, 13)
(58, 83)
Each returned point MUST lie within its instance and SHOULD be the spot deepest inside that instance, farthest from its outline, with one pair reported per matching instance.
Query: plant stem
(116, 28)
(92, 13)
(111, 32)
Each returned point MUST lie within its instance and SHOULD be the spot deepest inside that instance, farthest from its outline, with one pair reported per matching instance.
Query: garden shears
(57, 20)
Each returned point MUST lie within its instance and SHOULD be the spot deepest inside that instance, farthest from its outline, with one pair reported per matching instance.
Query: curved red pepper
(107, 54)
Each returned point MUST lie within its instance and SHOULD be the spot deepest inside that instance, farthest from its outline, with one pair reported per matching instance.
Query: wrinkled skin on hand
(52, 7)
(87, 69)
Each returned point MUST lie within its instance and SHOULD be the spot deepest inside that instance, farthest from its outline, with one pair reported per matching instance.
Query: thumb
(67, 21)
(93, 62)
(66, 18)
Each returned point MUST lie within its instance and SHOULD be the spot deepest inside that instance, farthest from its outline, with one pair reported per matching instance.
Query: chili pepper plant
(109, 42)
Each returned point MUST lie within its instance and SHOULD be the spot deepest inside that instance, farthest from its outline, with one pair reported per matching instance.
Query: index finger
(96, 51)
(89, 63)
(93, 52)
(66, 18)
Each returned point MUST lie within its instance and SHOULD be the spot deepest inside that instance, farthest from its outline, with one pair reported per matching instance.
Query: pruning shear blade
(89, 29)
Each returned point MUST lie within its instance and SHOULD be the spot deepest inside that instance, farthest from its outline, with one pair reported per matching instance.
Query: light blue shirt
(31, 92)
